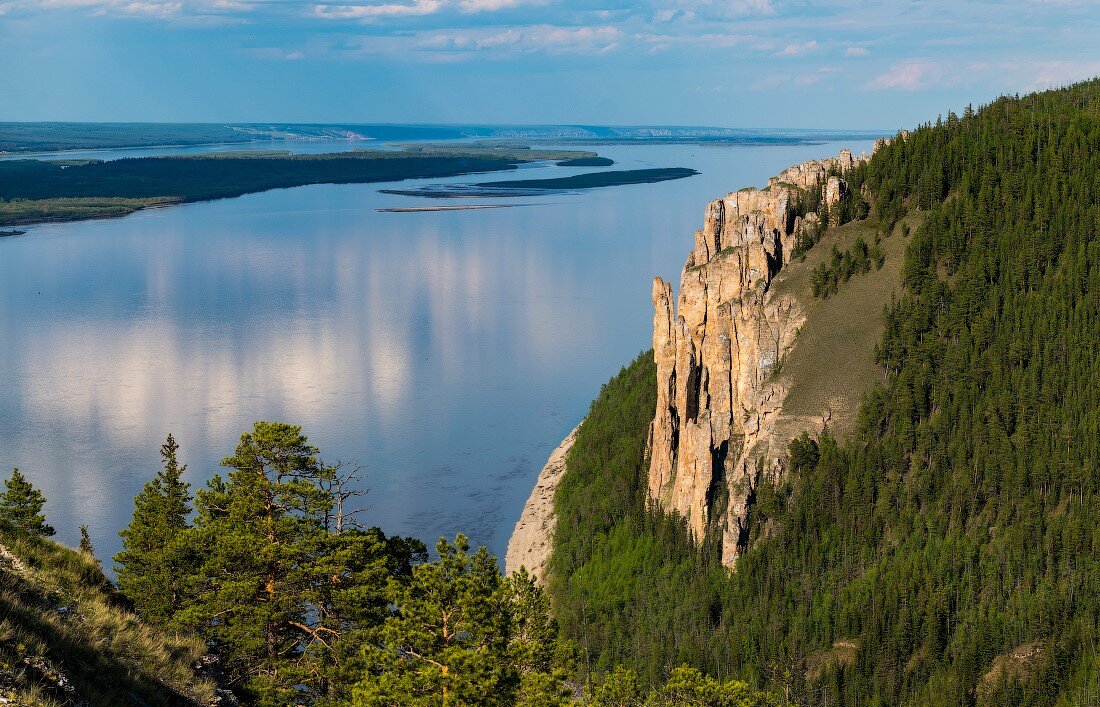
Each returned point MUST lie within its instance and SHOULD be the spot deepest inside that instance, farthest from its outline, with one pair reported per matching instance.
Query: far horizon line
(347, 123)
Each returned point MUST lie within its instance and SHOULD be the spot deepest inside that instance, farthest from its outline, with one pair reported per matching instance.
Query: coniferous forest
(948, 553)
(945, 553)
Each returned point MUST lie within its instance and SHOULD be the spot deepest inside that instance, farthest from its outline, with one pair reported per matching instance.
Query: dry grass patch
(67, 637)
(843, 652)
(832, 363)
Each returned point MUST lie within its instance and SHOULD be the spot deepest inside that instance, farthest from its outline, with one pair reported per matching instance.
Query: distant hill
(54, 137)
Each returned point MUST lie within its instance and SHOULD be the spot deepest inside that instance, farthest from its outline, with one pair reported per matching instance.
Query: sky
(728, 63)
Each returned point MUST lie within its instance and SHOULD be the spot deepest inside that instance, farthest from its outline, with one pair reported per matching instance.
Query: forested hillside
(275, 591)
(948, 552)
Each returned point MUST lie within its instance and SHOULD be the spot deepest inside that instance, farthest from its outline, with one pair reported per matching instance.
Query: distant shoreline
(37, 191)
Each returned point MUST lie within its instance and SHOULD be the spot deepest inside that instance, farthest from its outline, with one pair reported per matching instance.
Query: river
(445, 352)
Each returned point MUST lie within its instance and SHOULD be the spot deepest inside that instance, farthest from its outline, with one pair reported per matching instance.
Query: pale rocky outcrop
(716, 352)
(884, 141)
(532, 540)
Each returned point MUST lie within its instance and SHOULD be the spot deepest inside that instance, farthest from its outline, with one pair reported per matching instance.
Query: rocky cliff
(531, 542)
(718, 353)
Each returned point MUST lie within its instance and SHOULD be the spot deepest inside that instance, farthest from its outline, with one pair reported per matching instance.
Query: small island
(587, 162)
(429, 209)
(536, 187)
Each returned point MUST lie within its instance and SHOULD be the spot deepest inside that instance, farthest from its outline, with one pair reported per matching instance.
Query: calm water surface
(447, 353)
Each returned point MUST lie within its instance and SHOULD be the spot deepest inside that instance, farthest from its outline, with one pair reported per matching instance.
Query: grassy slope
(67, 637)
(833, 361)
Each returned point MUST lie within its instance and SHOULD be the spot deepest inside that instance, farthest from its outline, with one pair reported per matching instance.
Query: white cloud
(536, 38)
(725, 9)
(798, 49)
(124, 7)
(856, 51)
(750, 7)
(415, 8)
(279, 54)
(1045, 74)
(351, 12)
(1017, 75)
(473, 6)
(458, 45)
(912, 75)
(164, 9)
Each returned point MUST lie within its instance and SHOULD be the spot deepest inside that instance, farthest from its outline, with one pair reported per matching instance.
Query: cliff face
(532, 540)
(717, 354)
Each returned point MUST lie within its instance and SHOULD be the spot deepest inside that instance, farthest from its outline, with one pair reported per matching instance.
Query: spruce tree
(153, 563)
(21, 505)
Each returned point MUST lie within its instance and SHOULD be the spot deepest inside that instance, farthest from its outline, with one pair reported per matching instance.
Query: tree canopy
(21, 505)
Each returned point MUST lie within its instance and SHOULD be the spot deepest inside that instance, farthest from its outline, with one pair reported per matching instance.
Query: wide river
(446, 353)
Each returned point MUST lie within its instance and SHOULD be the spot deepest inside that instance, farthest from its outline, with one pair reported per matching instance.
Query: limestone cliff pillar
(663, 430)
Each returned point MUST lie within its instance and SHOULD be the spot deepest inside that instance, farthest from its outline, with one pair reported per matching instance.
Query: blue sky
(730, 63)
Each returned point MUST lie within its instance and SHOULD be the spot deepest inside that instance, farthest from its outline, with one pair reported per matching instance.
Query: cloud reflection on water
(447, 352)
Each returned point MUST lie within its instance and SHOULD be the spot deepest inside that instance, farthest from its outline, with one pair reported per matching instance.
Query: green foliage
(688, 687)
(962, 520)
(685, 687)
(21, 506)
(258, 535)
(200, 178)
(153, 564)
(857, 259)
(803, 454)
(592, 180)
(86, 546)
(460, 634)
(629, 586)
(851, 207)
(16, 212)
(42, 137)
(807, 238)
(618, 688)
(271, 575)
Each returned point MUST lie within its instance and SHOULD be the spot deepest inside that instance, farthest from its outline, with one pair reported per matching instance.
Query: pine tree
(263, 540)
(618, 689)
(539, 657)
(153, 564)
(21, 505)
(86, 546)
(448, 638)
